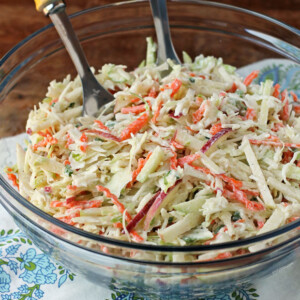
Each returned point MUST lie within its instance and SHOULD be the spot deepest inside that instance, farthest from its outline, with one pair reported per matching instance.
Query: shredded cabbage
(197, 157)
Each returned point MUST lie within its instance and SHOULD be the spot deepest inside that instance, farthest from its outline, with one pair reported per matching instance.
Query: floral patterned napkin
(28, 274)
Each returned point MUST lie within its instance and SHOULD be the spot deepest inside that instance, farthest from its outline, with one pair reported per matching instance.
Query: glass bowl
(116, 33)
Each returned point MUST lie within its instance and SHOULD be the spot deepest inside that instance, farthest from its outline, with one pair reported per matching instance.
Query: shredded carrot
(221, 256)
(260, 224)
(83, 148)
(240, 196)
(135, 100)
(250, 114)
(277, 126)
(134, 127)
(103, 134)
(114, 200)
(274, 143)
(173, 160)
(101, 125)
(192, 74)
(48, 140)
(177, 145)
(69, 141)
(118, 225)
(83, 138)
(190, 129)
(198, 114)
(9, 169)
(175, 86)
(157, 112)
(233, 88)
(199, 100)
(188, 159)
(136, 236)
(295, 98)
(152, 93)
(297, 109)
(67, 162)
(13, 179)
(67, 219)
(276, 91)
(215, 128)
(71, 187)
(133, 109)
(53, 101)
(292, 219)
(44, 134)
(287, 156)
(248, 80)
(73, 203)
(225, 178)
(135, 173)
(285, 110)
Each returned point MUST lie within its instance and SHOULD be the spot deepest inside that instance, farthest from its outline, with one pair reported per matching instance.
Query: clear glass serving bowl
(116, 33)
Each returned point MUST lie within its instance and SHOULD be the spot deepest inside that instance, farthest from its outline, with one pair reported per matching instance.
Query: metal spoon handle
(70, 40)
(94, 94)
(161, 23)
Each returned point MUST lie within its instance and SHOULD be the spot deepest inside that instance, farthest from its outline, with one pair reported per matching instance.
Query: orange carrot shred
(101, 125)
(135, 100)
(13, 179)
(157, 112)
(215, 128)
(136, 236)
(198, 114)
(67, 162)
(295, 98)
(173, 160)
(285, 110)
(83, 138)
(134, 127)
(175, 86)
(233, 88)
(114, 200)
(152, 93)
(297, 109)
(276, 90)
(188, 159)
(135, 173)
(250, 114)
(83, 148)
(248, 80)
(133, 109)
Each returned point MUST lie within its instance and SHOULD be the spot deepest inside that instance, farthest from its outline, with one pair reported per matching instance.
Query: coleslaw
(200, 156)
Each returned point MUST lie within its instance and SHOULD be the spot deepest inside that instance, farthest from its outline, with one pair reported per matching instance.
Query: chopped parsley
(68, 170)
(235, 216)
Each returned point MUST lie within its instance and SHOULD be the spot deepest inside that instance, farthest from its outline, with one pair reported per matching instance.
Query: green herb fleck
(98, 140)
(170, 220)
(235, 216)
(240, 93)
(192, 80)
(68, 170)
(218, 228)
(72, 104)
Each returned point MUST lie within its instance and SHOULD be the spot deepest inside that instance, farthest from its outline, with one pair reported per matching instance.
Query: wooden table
(18, 18)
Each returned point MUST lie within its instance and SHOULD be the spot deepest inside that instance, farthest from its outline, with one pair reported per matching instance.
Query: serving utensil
(161, 22)
(94, 94)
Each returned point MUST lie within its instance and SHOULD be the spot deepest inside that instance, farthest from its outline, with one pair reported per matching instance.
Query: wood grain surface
(18, 18)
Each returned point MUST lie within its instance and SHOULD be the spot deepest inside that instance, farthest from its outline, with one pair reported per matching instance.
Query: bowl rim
(131, 245)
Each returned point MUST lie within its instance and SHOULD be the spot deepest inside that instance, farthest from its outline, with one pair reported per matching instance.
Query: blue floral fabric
(28, 267)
